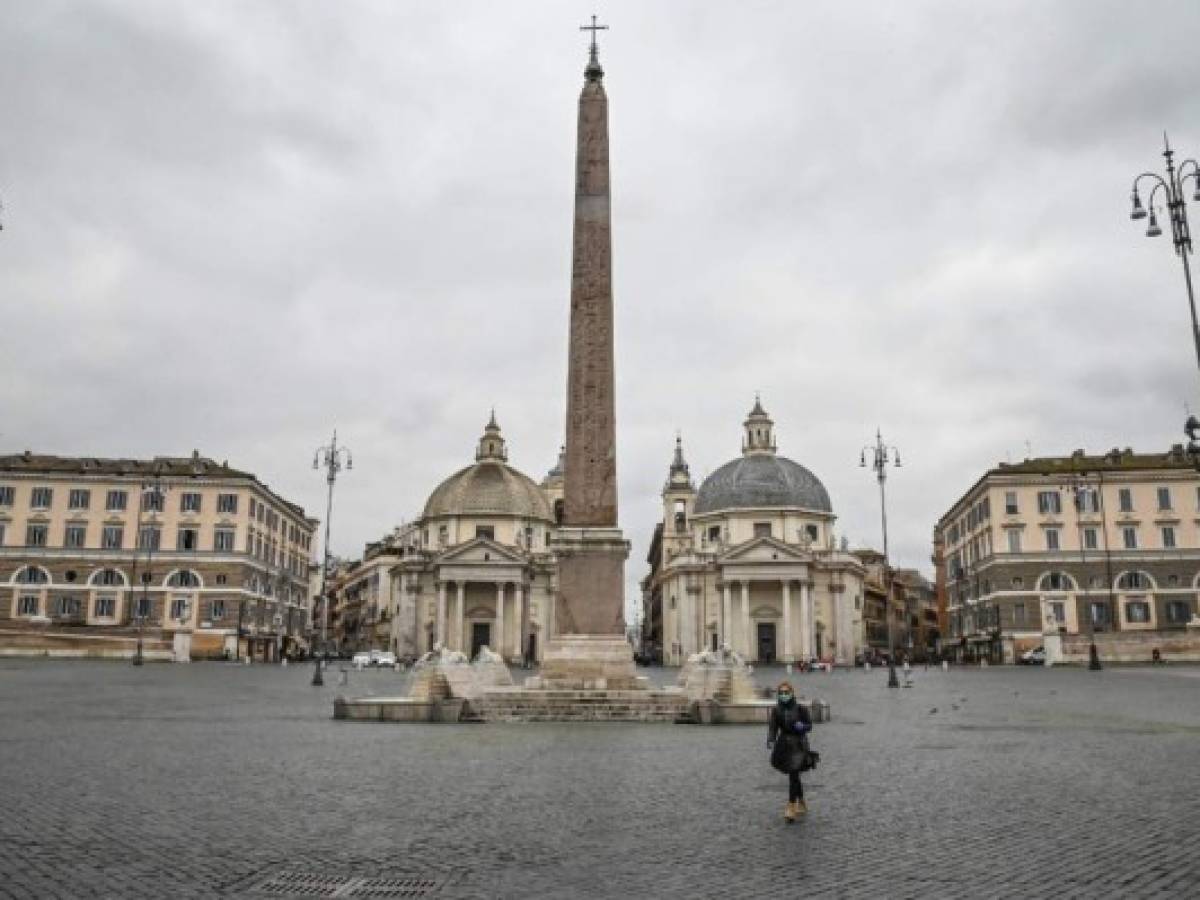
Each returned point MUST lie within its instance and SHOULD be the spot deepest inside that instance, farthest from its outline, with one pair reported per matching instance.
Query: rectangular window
(112, 537)
(79, 498)
(1137, 611)
(485, 531)
(75, 536)
(188, 539)
(1090, 539)
(150, 537)
(1010, 503)
(762, 529)
(41, 498)
(153, 500)
(106, 606)
(1018, 613)
(1049, 503)
(189, 501)
(528, 537)
(812, 533)
(1129, 537)
(223, 539)
(227, 503)
(217, 610)
(6, 495)
(1179, 612)
(35, 535)
(142, 608)
(714, 534)
(28, 605)
(1168, 537)
(1, 534)
(1051, 538)
(1059, 611)
(1099, 614)
(1125, 499)
(116, 501)
(180, 607)
(253, 507)
(1164, 498)
(1014, 541)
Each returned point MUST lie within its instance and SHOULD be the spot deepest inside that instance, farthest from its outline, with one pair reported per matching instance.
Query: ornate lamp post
(1172, 188)
(330, 456)
(152, 498)
(883, 456)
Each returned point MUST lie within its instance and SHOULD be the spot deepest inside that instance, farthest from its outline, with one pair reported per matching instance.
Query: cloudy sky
(233, 226)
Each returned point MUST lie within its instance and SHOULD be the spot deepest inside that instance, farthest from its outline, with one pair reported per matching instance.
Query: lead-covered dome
(761, 478)
(489, 487)
(758, 481)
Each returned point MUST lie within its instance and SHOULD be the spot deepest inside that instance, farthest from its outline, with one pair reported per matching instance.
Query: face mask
(784, 696)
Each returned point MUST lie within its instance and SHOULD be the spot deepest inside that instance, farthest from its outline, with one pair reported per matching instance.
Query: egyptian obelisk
(588, 642)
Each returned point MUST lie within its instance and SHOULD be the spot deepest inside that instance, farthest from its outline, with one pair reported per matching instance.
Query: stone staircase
(566, 705)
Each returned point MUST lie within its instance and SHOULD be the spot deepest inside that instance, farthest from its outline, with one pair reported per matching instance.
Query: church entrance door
(766, 642)
(481, 634)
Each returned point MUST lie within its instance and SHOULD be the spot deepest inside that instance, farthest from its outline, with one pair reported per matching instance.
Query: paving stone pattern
(213, 780)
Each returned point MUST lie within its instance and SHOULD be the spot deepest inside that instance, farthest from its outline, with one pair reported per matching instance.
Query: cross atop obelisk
(593, 53)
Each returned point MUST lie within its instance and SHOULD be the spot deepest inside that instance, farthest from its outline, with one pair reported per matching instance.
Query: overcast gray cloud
(231, 226)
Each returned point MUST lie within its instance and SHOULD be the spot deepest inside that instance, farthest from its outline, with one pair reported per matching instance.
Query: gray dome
(488, 488)
(762, 480)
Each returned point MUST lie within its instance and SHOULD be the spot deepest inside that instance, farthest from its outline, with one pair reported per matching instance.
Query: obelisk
(588, 646)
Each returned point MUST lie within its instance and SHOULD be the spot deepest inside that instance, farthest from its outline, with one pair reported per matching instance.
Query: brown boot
(801, 807)
(789, 811)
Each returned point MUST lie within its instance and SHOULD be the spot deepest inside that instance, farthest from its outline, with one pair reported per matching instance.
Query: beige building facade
(1054, 551)
(750, 560)
(202, 559)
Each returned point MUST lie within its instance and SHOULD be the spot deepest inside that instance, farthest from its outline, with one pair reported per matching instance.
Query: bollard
(789, 668)
(945, 666)
(283, 662)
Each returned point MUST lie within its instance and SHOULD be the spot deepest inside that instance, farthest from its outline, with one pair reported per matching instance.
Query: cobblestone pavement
(181, 781)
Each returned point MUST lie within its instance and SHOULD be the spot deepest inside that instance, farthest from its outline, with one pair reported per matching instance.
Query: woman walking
(789, 725)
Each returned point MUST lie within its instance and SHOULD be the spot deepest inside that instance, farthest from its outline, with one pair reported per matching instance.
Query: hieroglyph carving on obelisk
(590, 489)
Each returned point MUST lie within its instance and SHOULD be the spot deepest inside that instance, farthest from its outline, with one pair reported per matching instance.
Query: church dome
(761, 478)
(489, 487)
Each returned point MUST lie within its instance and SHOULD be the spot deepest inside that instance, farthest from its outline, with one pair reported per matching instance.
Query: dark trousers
(795, 788)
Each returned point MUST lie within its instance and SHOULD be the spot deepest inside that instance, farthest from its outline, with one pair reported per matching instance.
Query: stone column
(805, 651)
(459, 615)
(810, 646)
(727, 614)
(787, 621)
(440, 637)
(685, 620)
(749, 644)
(498, 639)
(517, 648)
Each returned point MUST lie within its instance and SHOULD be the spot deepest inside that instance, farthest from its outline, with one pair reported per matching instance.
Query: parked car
(386, 659)
(360, 660)
(1034, 657)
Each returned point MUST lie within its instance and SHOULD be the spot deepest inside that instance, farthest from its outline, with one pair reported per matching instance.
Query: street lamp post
(154, 490)
(1172, 187)
(330, 456)
(882, 456)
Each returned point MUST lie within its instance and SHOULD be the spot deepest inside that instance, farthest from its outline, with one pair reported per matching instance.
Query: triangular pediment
(763, 550)
(481, 550)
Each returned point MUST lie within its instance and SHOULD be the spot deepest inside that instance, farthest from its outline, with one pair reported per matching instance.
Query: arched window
(1134, 581)
(32, 575)
(1056, 581)
(183, 578)
(108, 578)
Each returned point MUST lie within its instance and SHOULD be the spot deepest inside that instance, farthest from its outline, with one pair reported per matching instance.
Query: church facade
(475, 569)
(749, 559)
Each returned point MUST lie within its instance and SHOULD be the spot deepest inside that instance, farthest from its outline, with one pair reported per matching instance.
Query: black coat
(790, 751)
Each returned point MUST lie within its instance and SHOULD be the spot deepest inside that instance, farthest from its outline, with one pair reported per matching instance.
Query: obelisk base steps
(583, 662)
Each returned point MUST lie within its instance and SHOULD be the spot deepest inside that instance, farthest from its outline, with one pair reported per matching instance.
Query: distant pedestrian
(787, 736)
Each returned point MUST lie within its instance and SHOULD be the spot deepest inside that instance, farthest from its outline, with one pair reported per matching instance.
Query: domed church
(476, 568)
(750, 560)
